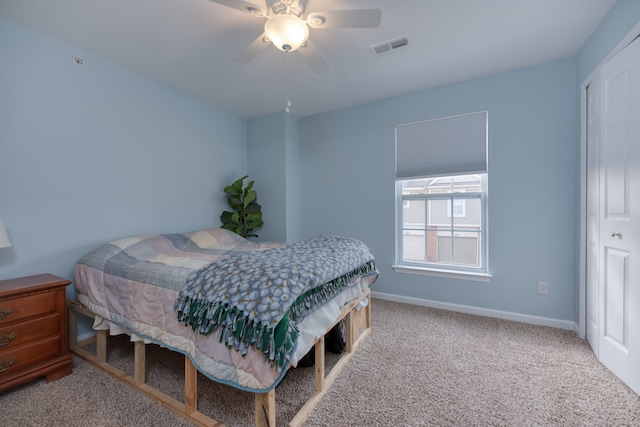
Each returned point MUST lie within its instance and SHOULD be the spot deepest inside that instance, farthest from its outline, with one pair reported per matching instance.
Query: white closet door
(619, 211)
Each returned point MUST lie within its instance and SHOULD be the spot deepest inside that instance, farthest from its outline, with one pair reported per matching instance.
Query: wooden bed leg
(368, 308)
(266, 409)
(349, 336)
(190, 386)
(319, 364)
(139, 362)
(101, 346)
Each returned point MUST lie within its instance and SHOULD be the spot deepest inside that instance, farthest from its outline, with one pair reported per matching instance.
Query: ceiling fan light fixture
(287, 32)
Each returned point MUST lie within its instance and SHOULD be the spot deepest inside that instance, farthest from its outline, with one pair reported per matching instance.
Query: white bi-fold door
(613, 215)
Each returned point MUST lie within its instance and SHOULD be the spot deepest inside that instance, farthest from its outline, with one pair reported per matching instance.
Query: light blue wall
(292, 191)
(347, 164)
(96, 153)
(274, 165)
(267, 167)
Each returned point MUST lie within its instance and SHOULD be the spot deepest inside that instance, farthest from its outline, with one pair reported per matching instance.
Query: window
(441, 188)
(430, 233)
(457, 208)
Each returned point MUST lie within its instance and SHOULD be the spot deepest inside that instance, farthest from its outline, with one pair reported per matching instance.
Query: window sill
(467, 275)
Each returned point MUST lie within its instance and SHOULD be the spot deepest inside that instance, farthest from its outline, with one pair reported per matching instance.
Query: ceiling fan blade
(254, 48)
(313, 57)
(357, 18)
(243, 6)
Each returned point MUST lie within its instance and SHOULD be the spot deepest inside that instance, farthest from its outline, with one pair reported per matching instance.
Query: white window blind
(445, 146)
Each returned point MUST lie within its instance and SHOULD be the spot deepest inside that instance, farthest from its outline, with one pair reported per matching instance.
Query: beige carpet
(418, 367)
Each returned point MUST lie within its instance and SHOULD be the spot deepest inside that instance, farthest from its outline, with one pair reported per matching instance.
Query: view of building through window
(442, 220)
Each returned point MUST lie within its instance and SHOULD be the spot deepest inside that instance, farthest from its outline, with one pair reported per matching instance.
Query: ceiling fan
(287, 28)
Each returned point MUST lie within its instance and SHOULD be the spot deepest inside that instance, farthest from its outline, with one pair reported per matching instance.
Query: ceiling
(190, 44)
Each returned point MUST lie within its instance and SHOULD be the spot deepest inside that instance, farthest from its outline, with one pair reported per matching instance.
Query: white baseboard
(524, 318)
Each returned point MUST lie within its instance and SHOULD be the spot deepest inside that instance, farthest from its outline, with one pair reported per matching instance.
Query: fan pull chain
(288, 83)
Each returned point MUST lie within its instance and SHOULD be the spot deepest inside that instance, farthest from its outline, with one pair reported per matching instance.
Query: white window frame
(434, 269)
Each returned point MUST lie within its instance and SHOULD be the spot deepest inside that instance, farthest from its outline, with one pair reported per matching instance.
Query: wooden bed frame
(357, 327)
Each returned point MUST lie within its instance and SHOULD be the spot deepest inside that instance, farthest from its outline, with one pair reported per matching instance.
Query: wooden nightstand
(33, 330)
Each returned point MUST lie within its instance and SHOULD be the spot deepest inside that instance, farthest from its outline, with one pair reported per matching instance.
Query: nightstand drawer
(28, 356)
(31, 330)
(16, 309)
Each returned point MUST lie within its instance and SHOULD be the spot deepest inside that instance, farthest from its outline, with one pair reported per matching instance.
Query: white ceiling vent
(390, 45)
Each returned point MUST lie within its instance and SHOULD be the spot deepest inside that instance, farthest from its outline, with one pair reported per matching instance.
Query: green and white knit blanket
(256, 298)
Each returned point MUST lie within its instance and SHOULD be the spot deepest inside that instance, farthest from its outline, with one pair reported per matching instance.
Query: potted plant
(247, 213)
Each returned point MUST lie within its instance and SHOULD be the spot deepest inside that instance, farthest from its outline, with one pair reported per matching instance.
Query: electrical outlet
(543, 287)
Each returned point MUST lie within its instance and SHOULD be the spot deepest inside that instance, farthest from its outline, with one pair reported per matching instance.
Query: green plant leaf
(250, 197)
(255, 224)
(236, 187)
(254, 216)
(225, 218)
(235, 202)
(252, 207)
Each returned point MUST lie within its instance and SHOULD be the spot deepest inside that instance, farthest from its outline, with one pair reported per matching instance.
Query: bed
(242, 312)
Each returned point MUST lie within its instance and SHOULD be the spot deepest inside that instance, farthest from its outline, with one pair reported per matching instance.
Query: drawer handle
(5, 312)
(6, 339)
(5, 365)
